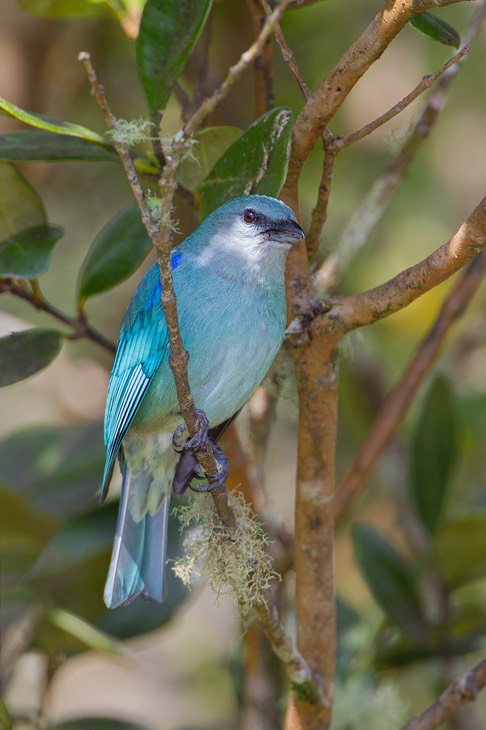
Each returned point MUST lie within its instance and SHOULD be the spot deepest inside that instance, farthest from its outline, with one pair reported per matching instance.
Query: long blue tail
(139, 551)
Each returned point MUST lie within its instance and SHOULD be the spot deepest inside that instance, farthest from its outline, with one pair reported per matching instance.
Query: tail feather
(139, 550)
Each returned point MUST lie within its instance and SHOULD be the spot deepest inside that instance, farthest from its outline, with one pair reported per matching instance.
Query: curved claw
(219, 479)
(196, 442)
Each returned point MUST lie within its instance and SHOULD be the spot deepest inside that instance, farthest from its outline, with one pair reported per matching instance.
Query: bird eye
(249, 216)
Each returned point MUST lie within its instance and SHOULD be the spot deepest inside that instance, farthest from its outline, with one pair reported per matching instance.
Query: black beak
(287, 231)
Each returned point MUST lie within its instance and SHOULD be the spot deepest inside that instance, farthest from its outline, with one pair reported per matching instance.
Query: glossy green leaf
(460, 547)
(116, 253)
(25, 353)
(66, 8)
(168, 32)
(96, 723)
(212, 142)
(390, 579)
(27, 254)
(255, 163)
(20, 205)
(49, 124)
(437, 29)
(86, 633)
(37, 145)
(57, 469)
(5, 719)
(434, 452)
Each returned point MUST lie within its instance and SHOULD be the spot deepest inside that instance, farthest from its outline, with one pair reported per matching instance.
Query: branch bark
(463, 690)
(360, 309)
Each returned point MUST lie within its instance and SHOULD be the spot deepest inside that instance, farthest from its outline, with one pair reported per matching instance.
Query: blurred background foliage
(411, 558)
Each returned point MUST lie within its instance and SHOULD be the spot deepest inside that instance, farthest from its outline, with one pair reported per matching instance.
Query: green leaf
(437, 29)
(255, 163)
(390, 579)
(460, 547)
(20, 205)
(66, 8)
(434, 453)
(41, 146)
(212, 142)
(116, 253)
(25, 353)
(97, 723)
(26, 254)
(49, 124)
(57, 469)
(5, 720)
(85, 632)
(168, 32)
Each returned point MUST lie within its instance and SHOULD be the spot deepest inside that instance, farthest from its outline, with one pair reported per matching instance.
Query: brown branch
(398, 401)
(263, 62)
(376, 201)
(319, 214)
(424, 84)
(81, 328)
(361, 309)
(324, 102)
(288, 56)
(463, 690)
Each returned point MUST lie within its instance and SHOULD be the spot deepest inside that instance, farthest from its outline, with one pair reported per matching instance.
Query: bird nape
(230, 289)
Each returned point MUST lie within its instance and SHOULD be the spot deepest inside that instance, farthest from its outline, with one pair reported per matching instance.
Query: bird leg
(219, 479)
(196, 442)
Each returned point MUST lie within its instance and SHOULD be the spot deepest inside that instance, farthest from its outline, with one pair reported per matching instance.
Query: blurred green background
(64, 656)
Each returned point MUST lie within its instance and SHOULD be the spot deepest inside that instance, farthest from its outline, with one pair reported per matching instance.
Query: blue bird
(229, 284)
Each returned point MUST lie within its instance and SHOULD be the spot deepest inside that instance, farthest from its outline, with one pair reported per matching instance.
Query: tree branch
(361, 309)
(425, 83)
(79, 325)
(358, 229)
(262, 63)
(398, 401)
(463, 690)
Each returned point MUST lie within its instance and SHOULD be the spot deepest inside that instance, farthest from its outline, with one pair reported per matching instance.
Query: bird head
(255, 231)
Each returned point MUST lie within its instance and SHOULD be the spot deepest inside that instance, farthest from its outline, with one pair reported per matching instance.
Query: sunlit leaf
(212, 142)
(168, 32)
(85, 632)
(255, 163)
(5, 720)
(96, 723)
(57, 469)
(49, 123)
(37, 145)
(27, 254)
(24, 353)
(436, 28)
(390, 579)
(20, 205)
(460, 547)
(116, 253)
(434, 452)
(66, 8)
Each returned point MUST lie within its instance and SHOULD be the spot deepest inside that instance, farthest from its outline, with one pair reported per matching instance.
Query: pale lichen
(235, 562)
(358, 704)
(131, 132)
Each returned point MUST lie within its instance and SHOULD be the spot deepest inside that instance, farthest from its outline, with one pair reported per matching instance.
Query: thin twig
(398, 401)
(262, 63)
(376, 201)
(319, 214)
(463, 690)
(81, 328)
(425, 83)
(287, 55)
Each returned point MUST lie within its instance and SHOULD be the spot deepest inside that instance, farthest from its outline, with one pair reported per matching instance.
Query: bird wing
(142, 347)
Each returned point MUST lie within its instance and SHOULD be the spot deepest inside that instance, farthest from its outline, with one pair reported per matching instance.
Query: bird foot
(219, 479)
(196, 442)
